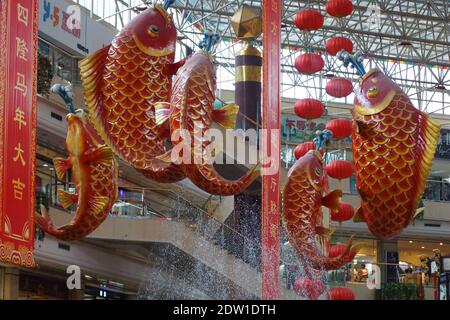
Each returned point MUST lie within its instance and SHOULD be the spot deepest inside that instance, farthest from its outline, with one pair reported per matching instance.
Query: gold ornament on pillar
(247, 23)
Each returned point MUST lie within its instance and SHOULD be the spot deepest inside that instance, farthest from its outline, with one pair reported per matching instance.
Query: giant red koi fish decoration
(393, 148)
(191, 110)
(124, 80)
(303, 196)
(95, 175)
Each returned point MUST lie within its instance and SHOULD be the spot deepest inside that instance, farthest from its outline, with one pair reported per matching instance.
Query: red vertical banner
(270, 146)
(18, 68)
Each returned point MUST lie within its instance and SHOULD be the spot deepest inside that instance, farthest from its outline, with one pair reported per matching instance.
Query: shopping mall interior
(176, 240)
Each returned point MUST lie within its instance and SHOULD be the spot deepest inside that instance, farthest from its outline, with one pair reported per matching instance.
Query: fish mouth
(154, 52)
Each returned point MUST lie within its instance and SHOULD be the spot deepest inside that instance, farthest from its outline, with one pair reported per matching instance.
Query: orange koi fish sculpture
(393, 148)
(123, 81)
(303, 197)
(95, 175)
(191, 110)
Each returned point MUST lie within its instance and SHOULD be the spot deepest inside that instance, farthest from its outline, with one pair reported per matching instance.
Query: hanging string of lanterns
(303, 148)
(339, 8)
(338, 43)
(339, 87)
(345, 213)
(308, 20)
(309, 108)
(340, 169)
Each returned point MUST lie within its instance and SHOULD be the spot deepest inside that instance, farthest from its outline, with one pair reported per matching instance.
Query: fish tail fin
(91, 72)
(226, 116)
(325, 232)
(61, 167)
(332, 200)
(162, 113)
(67, 199)
(359, 216)
(44, 221)
(97, 204)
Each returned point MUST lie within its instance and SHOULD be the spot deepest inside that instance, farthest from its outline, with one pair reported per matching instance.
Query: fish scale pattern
(121, 101)
(392, 152)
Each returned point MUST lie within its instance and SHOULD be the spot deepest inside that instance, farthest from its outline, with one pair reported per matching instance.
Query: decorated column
(270, 145)
(18, 54)
(247, 26)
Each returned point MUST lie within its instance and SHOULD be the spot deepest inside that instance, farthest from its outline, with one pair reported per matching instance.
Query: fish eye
(153, 31)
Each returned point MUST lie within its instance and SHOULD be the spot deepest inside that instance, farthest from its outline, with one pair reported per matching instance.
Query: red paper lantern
(336, 44)
(307, 288)
(345, 212)
(339, 87)
(341, 128)
(340, 293)
(309, 63)
(340, 169)
(339, 8)
(309, 108)
(308, 20)
(303, 148)
(336, 250)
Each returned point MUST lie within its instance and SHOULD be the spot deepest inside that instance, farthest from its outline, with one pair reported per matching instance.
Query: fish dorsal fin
(97, 204)
(61, 167)
(162, 113)
(226, 116)
(67, 199)
(359, 216)
(102, 154)
(91, 72)
(332, 200)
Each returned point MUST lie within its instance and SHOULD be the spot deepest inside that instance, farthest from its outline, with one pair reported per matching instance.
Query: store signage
(65, 24)
(66, 19)
(18, 36)
(271, 141)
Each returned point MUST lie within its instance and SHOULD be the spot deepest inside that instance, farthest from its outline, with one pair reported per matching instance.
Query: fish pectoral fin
(173, 68)
(332, 200)
(102, 154)
(420, 209)
(359, 216)
(61, 167)
(226, 116)
(162, 113)
(97, 204)
(325, 232)
(165, 157)
(362, 129)
(65, 227)
(67, 199)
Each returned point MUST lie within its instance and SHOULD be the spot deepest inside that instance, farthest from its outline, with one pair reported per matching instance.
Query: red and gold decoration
(308, 20)
(194, 94)
(271, 114)
(345, 213)
(340, 169)
(339, 87)
(95, 175)
(309, 108)
(338, 43)
(339, 8)
(303, 196)
(309, 63)
(18, 67)
(122, 83)
(393, 148)
(341, 128)
(340, 293)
